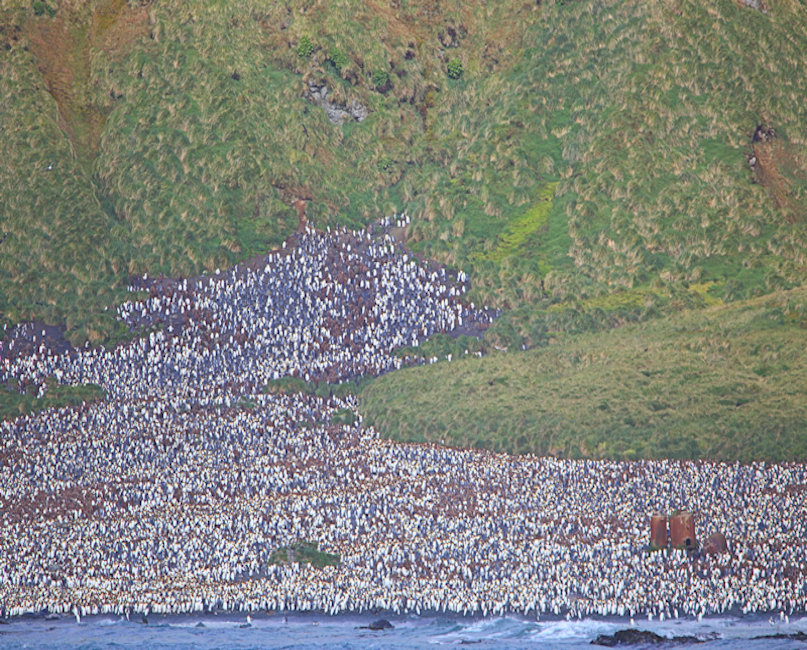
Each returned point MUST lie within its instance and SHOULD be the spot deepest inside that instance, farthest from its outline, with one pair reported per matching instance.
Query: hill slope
(722, 383)
(589, 164)
(576, 148)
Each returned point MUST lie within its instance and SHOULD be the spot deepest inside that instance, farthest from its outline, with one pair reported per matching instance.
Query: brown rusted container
(715, 544)
(658, 531)
(682, 530)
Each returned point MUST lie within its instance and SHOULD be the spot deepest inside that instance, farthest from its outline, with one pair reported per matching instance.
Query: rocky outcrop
(337, 113)
(640, 637)
(755, 4)
(380, 624)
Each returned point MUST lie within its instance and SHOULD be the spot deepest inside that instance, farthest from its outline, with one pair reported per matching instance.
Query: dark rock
(640, 637)
(796, 636)
(764, 133)
(715, 544)
(380, 624)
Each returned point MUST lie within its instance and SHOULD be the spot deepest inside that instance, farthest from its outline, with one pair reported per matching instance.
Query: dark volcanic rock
(796, 636)
(640, 637)
(380, 624)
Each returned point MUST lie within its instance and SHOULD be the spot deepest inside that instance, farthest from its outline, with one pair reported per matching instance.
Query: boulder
(640, 637)
(380, 624)
(715, 544)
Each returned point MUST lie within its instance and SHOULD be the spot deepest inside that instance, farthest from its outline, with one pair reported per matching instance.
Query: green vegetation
(536, 218)
(304, 553)
(305, 48)
(587, 163)
(455, 68)
(725, 382)
(344, 416)
(579, 150)
(380, 78)
(338, 59)
(291, 385)
(441, 346)
(41, 7)
(14, 403)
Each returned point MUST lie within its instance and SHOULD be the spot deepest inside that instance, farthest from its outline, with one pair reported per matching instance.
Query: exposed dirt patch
(26, 338)
(63, 46)
(116, 26)
(774, 163)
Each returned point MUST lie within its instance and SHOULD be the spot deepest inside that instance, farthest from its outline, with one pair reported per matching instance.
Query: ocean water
(344, 631)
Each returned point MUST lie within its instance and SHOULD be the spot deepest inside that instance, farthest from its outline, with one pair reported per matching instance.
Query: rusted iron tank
(658, 531)
(682, 531)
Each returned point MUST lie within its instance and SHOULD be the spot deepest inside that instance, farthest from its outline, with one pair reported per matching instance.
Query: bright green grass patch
(727, 382)
(707, 291)
(628, 299)
(519, 230)
(13, 403)
(304, 553)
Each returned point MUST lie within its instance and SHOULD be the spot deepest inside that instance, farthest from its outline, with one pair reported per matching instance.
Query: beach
(175, 493)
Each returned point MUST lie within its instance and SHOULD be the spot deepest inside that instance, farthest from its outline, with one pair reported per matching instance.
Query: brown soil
(775, 163)
(63, 45)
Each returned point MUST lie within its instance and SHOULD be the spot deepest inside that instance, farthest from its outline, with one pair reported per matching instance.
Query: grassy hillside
(562, 152)
(590, 164)
(727, 382)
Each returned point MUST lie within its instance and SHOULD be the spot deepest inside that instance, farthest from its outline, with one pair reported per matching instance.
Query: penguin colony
(172, 494)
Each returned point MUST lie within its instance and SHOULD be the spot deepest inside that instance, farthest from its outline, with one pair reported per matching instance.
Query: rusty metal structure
(682, 531)
(658, 531)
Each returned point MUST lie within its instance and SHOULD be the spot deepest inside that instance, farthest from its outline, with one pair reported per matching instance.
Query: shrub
(455, 68)
(344, 416)
(380, 78)
(338, 59)
(305, 48)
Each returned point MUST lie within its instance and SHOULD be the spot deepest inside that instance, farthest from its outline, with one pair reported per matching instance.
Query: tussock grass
(14, 403)
(181, 134)
(726, 382)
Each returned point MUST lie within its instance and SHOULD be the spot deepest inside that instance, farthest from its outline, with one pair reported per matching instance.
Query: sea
(350, 631)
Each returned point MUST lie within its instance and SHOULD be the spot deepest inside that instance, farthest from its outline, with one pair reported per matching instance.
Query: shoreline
(238, 616)
(175, 493)
(133, 613)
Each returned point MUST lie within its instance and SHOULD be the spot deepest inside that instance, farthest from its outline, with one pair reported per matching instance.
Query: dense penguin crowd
(333, 308)
(173, 494)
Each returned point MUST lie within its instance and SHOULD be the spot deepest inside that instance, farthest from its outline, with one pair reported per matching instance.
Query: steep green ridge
(726, 382)
(182, 133)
